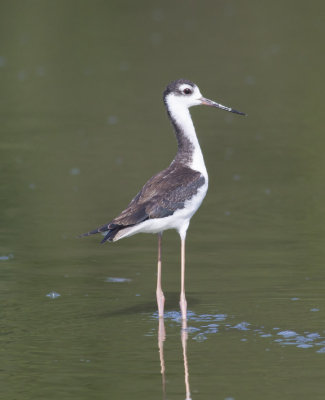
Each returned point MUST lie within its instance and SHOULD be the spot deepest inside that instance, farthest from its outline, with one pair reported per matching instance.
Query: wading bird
(170, 198)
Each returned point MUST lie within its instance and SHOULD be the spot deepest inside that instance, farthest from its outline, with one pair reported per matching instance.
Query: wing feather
(160, 197)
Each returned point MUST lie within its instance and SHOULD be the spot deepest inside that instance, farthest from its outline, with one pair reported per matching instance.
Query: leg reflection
(161, 339)
(184, 336)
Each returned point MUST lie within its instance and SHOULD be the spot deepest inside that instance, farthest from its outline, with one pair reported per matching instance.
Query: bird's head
(185, 94)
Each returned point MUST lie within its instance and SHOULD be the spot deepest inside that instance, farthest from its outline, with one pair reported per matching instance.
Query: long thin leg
(159, 292)
(183, 303)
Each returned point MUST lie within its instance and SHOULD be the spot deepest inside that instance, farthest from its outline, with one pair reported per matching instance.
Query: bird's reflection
(161, 339)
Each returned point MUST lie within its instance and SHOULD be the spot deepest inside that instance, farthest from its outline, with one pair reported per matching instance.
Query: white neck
(181, 118)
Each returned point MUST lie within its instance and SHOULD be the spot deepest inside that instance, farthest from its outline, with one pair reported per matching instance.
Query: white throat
(181, 116)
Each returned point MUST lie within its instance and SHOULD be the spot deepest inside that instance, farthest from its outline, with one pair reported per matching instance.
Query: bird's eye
(187, 91)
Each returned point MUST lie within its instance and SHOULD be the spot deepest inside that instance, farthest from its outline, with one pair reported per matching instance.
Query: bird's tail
(110, 231)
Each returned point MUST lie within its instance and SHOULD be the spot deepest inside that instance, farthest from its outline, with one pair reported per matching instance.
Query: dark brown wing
(160, 197)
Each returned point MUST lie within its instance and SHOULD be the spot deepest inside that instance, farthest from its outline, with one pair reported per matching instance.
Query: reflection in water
(204, 325)
(161, 339)
(184, 345)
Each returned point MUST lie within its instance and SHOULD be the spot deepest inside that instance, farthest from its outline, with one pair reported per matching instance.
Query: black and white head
(185, 94)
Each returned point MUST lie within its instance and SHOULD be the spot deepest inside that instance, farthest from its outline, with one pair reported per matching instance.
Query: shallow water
(83, 127)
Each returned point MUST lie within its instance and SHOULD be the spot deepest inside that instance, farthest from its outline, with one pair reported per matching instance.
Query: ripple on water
(242, 326)
(5, 258)
(287, 334)
(53, 295)
(117, 280)
(202, 326)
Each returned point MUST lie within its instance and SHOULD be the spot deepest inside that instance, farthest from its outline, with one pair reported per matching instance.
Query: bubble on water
(172, 315)
(314, 309)
(242, 326)
(207, 317)
(53, 295)
(212, 328)
(219, 317)
(295, 298)
(313, 335)
(303, 339)
(200, 337)
(207, 324)
(287, 334)
(192, 329)
(322, 350)
(117, 280)
(304, 346)
(8, 257)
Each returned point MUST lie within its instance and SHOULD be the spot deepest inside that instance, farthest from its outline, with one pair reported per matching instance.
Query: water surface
(83, 127)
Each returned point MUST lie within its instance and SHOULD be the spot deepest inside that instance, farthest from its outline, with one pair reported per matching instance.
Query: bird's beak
(211, 103)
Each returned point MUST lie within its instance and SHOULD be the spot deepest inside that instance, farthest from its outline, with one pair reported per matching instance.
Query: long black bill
(211, 103)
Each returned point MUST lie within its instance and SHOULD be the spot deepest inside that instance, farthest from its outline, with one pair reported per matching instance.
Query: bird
(171, 197)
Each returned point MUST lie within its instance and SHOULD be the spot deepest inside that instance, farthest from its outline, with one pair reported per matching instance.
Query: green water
(83, 127)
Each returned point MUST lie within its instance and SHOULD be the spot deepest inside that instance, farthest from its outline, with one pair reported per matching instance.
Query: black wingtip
(110, 234)
(238, 112)
(101, 229)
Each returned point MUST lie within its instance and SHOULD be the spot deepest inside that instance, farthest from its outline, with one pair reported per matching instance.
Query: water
(83, 127)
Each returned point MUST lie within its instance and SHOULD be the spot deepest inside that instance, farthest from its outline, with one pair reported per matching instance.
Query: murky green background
(83, 126)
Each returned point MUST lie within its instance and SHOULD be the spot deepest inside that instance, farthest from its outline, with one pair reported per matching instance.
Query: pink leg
(159, 292)
(183, 303)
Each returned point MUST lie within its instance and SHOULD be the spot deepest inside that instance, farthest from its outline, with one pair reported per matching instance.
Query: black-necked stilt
(170, 198)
